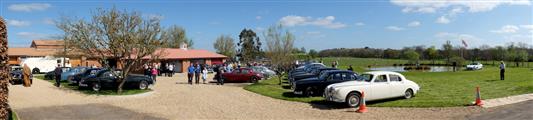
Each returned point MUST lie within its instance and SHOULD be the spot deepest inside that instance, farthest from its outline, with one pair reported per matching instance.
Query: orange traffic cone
(478, 98)
(362, 106)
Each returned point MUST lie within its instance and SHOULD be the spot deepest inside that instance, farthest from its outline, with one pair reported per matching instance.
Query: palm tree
(4, 78)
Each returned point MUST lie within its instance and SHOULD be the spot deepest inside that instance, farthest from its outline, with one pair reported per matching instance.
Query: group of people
(156, 70)
(195, 71)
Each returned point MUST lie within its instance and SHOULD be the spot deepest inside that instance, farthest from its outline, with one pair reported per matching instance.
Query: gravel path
(174, 99)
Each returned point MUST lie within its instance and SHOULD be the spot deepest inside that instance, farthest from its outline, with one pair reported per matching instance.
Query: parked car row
(16, 75)
(99, 78)
(345, 86)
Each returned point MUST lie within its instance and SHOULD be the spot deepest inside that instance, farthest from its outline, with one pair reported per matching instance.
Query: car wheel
(36, 71)
(143, 85)
(309, 91)
(253, 80)
(353, 99)
(408, 94)
(96, 87)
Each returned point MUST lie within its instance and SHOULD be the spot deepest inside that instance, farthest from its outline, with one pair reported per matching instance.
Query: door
(380, 88)
(397, 86)
(245, 75)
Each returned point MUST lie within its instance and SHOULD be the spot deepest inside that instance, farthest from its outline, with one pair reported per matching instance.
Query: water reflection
(401, 69)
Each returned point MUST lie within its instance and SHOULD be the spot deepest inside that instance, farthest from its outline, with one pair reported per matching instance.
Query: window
(395, 78)
(245, 71)
(381, 78)
(337, 76)
(365, 77)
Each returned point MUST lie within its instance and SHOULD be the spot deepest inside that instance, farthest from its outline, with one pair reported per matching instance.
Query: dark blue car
(107, 79)
(316, 86)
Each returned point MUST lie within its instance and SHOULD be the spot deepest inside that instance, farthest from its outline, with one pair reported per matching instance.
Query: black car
(304, 71)
(107, 79)
(52, 74)
(16, 75)
(305, 67)
(314, 73)
(316, 86)
(74, 79)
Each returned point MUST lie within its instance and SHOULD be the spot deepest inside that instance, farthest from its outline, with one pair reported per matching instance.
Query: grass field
(65, 84)
(438, 89)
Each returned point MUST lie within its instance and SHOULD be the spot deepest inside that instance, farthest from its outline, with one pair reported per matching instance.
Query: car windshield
(474, 64)
(323, 75)
(365, 77)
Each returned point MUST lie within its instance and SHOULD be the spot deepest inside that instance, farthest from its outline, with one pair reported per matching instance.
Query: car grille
(16, 76)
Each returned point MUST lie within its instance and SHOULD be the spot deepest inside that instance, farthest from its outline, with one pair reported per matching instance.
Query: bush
(459, 60)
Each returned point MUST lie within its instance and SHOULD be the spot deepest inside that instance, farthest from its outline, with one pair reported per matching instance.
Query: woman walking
(154, 74)
(204, 74)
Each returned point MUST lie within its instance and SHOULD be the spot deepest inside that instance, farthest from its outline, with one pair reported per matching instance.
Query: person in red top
(154, 73)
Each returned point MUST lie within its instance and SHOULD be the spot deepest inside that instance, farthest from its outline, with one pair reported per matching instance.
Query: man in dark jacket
(197, 71)
(58, 72)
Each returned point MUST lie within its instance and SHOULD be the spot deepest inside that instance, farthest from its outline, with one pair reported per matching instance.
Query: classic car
(16, 75)
(314, 73)
(474, 66)
(305, 71)
(107, 79)
(242, 75)
(73, 71)
(74, 79)
(303, 68)
(376, 85)
(267, 73)
(315, 86)
(52, 75)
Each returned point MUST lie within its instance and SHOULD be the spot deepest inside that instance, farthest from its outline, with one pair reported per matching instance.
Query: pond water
(401, 69)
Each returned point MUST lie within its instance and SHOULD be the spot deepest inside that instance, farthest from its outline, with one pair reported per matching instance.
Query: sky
(316, 24)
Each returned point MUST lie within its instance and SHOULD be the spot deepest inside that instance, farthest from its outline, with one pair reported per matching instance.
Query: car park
(303, 68)
(107, 79)
(376, 85)
(242, 75)
(305, 71)
(474, 66)
(315, 86)
(267, 73)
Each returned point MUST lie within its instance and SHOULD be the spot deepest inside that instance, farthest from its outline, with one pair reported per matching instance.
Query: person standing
(26, 74)
(58, 72)
(502, 70)
(190, 73)
(350, 68)
(171, 70)
(204, 74)
(154, 74)
(197, 73)
(220, 80)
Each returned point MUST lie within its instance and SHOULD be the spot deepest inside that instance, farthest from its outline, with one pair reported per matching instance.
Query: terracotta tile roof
(48, 42)
(30, 52)
(174, 53)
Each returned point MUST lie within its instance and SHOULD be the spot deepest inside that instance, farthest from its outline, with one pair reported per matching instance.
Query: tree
(521, 56)
(4, 75)
(113, 34)
(250, 46)
(225, 46)
(447, 51)
(303, 50)
(278, 50)
(432, 53)
(411, 55)
(391, 54)
(175, 36)
(313, 53)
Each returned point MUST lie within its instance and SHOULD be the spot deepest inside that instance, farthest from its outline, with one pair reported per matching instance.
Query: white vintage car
(376, 85)
(474, 66)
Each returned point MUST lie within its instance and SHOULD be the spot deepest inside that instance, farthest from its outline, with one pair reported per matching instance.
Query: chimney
(183, 46)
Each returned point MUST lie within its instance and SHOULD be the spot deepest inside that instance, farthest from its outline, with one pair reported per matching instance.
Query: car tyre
(353, 99)
(96, 87)
(253, 80)
(309, 91)
(143, 85)
(408, 94)
(36, 71)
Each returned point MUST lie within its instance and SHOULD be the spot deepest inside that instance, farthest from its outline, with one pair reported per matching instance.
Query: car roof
(381, 72)
(339, 71)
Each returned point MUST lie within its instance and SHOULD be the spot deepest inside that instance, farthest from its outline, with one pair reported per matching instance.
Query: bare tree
(113, 34)
(278, 50)
(175, 36)
(225, 45)
(4, 75)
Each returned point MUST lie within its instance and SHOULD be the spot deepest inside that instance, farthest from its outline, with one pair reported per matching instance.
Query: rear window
(365, 77)
(395, 78)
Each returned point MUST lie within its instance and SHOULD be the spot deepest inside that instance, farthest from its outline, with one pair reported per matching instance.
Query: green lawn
(65, 85)
(14, 116)
(438, 89)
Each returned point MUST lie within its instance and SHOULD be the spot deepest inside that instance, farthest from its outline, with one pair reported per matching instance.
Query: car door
(245, 75)
(233, 76)
(397, 85)
(380, 87)
(333, 78)
(107, 79)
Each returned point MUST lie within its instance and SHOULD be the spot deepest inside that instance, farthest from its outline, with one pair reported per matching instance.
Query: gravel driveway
(172, 98)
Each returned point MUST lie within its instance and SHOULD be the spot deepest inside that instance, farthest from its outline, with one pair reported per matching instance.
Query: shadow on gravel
(85, 111)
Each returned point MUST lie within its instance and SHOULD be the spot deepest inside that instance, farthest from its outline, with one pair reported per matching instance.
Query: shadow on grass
(286, 87)
(494, 80)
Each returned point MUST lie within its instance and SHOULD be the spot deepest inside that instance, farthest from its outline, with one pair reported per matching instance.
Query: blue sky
(316, 24)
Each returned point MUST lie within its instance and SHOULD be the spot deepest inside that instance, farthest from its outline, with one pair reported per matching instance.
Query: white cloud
(414, 24)
(430, 6)
(18, 23)
(49, 21)
(29, 7)
(258, 17)
(443, 20)
(327, 22)
(394, 28)
(33, 36)
(359, 24)
(507, 29)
